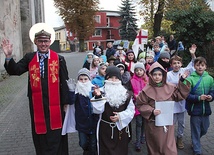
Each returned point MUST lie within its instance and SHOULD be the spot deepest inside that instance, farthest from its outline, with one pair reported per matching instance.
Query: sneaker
(180, 143)
(137, 149)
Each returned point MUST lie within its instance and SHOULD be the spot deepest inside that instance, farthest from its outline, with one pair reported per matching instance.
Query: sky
(54, 20)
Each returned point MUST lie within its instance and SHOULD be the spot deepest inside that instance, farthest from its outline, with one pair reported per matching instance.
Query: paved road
(15, 130)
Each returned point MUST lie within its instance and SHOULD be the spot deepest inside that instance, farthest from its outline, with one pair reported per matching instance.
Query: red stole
(53, 89)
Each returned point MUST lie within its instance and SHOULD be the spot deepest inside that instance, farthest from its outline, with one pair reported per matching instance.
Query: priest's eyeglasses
(45, 41)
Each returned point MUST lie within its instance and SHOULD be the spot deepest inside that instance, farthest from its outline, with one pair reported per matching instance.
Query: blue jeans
(139, 130)
(88, 142)
(180, 118)
(199, 126)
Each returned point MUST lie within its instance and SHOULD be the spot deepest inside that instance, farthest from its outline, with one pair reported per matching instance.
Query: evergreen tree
(128, 26)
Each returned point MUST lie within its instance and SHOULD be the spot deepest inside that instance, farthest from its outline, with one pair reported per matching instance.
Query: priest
(47, 89)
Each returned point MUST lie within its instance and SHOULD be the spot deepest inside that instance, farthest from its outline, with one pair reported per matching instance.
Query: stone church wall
(10, 27)
(16, 19)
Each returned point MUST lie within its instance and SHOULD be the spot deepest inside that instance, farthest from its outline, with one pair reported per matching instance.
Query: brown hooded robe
(159, 142)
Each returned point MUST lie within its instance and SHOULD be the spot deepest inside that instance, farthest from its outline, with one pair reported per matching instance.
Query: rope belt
(127, 131)
(113, 125)
(165, 129)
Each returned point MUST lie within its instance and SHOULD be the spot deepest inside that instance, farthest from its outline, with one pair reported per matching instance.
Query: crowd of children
(115, 87)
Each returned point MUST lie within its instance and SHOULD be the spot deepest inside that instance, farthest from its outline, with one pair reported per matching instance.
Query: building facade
(61, 35)
(106, 29)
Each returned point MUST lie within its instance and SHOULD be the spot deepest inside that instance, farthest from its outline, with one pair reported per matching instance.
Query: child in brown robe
(159, 139)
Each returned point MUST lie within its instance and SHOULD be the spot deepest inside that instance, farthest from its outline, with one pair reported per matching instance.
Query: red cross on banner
(140, 40)
(140, 37)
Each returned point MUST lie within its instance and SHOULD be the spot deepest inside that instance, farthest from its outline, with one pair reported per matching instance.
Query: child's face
(176, 65)
(165, 59)
(96, 61)
(200, 67)
(90, 56)
(109, 45)
(120, 51)
(113, 78)
(83, 78)
(156, 49)
(157, 77)
(149, 59)
(139, 72)
(121, 70)
(131, 56)
(111, 63)
(158, 40)
(102, 71)
(152, 42)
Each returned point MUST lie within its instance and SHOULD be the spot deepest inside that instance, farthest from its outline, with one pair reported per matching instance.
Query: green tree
(194, 25)
(153, 13)
(78, 16)
(128, 26)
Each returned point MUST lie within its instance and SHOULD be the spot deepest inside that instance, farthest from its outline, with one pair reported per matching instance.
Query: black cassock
(51, 143)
